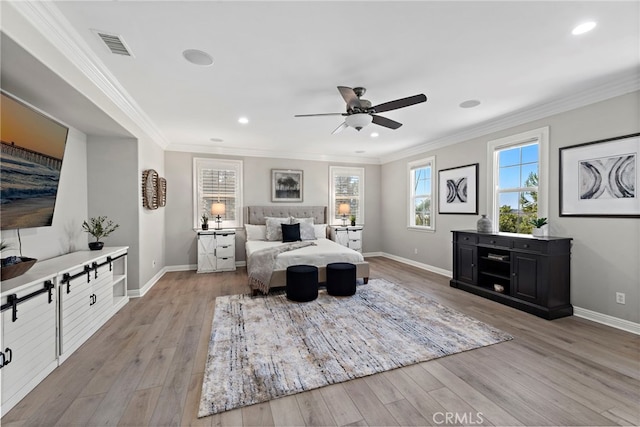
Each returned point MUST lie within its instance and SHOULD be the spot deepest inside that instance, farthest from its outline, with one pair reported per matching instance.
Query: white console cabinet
(216, 250)
(349, 236)
(49, 311)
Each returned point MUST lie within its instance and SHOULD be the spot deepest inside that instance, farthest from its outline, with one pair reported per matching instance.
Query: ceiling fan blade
(383, 121)
(321, 114)
(350, 97)
(399, 103)
(340, 128)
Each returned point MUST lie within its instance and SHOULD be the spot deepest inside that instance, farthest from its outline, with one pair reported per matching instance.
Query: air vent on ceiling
(114, 43)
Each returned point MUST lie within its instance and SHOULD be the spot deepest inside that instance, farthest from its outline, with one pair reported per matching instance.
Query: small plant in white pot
(99, 227)
(539, 227)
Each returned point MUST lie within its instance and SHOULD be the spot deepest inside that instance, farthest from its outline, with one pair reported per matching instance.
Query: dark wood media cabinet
(525, 272)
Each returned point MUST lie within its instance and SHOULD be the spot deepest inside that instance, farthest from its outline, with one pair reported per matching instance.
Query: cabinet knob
(493, 242)
(513, 274)
(466, 238)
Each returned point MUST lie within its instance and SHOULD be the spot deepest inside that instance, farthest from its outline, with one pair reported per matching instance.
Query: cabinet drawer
(502, 242)
(530, 245)
(466, 238)
(225, 251)
(355, 234)
(225, 239)
(355, 244)
(226, 264)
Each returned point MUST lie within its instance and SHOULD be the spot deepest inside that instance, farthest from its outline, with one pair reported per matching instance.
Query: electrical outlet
(415, 251)
(153, 263)
(620, 298)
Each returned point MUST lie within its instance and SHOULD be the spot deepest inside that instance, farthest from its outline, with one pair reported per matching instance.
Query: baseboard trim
(139, 293)
(420, 265)
(605, 319)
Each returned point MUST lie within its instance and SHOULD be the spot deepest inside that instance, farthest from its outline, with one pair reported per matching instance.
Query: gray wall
(606, 251)
(112, 188)
(181, 244)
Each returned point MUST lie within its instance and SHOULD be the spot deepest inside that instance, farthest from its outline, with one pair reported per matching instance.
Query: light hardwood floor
(145, 367)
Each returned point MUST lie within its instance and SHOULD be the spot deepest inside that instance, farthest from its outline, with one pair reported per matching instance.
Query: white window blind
(421, 184)
(218, 181)
(347, 186)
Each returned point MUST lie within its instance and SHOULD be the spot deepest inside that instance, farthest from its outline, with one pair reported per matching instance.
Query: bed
(322, 252)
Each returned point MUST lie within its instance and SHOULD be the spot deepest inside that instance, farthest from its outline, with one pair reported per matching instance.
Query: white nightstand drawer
(225, 251)
(355, 234)
(225, 239)
(227, 264)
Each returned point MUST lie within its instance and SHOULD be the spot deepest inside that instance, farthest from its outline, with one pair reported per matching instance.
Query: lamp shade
(344, 209)
(359, 120)
(217, 209)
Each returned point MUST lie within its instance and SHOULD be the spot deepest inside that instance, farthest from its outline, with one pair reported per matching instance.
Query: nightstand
(349, 236)
(216, 250)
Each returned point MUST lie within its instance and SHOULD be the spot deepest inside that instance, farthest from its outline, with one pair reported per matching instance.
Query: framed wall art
(458, 190)
(286, 185)
(600, 178)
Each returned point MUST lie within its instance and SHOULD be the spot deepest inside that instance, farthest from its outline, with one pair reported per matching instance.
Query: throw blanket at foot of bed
(262, 262)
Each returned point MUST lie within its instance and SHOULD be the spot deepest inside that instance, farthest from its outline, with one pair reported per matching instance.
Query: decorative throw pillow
(274, 231)
(320, 231)
(307, 231)
(290, 232)
(256, 232)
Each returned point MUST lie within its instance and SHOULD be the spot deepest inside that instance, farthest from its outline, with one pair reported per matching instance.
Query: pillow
(290, 232)
(307, 231)
(320, 231)
(256, 232)
(274, 231)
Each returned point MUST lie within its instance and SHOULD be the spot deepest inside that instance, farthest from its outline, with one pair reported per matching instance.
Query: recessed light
(216, 140)
(583, 28)
(470, 103)
(243, 120)
(198, 57)
(374, 134)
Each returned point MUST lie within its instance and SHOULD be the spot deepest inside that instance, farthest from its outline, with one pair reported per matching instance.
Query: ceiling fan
(360, 112)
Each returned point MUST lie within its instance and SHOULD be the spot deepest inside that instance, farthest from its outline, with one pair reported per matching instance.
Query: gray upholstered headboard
(256, 214)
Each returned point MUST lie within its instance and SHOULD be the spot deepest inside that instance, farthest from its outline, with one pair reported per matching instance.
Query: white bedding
(324, 251)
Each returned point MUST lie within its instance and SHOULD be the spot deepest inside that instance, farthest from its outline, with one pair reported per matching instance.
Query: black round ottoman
(341, 279)
(302, 283)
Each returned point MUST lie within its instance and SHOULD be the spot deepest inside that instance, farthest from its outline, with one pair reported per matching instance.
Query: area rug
(266, 347)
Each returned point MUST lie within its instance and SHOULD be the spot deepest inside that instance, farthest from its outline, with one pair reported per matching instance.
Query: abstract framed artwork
(601, 178)
(458, 190)
(286, 185)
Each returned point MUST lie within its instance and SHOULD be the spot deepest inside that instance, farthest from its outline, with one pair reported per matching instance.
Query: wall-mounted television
(30, 164)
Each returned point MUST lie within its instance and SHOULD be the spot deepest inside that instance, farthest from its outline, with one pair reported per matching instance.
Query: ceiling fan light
(359, 120)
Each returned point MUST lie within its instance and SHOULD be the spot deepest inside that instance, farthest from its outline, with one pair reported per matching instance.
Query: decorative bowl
(14, 270)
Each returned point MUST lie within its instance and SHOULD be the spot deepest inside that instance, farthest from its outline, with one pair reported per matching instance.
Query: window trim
(541, 135)
(215, 163)
(343, 171)
(431, 161)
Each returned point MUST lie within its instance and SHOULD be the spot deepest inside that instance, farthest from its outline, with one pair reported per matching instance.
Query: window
(519, 182)
(346, 186)
(420, 210)
(217, 181)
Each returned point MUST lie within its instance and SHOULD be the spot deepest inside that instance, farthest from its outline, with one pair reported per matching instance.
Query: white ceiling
(273, 60)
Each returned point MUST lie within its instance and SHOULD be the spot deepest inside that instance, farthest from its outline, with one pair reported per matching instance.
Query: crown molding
(620, 85)
(249, 152)
(51, 23)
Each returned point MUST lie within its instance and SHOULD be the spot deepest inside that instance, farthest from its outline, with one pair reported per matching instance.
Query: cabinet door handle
(2, 358)
(95, 298)
(9, 356)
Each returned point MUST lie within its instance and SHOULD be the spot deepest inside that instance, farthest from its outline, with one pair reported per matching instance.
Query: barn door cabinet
(28, 346)
(216, 250)
(525, 272)
(52, 309)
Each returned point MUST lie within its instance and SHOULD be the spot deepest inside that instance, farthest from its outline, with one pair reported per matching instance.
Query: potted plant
(538, 226)
(205, 221)
(352, 218)
(99, 227)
